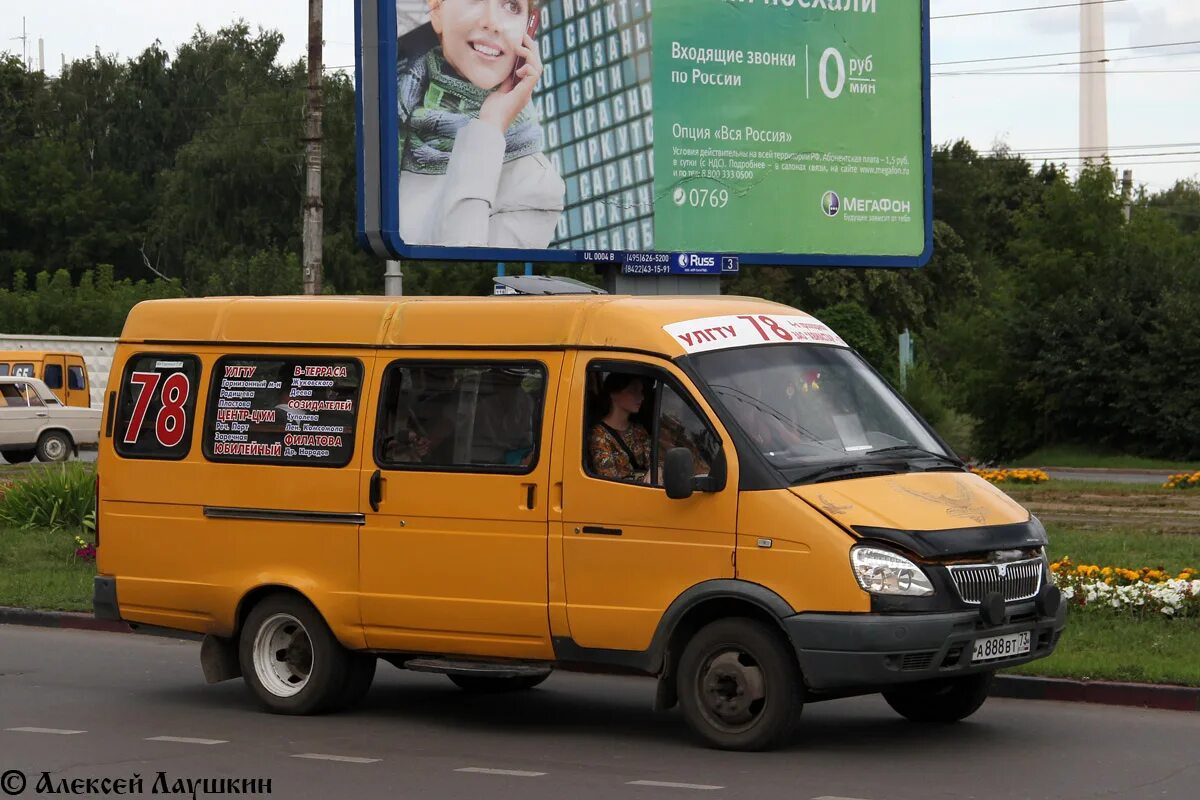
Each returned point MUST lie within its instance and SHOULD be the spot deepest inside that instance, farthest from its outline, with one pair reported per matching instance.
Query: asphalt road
(96, 705)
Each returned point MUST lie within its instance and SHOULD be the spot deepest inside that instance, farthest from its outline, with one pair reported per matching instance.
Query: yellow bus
(65, 373)
(716, 492)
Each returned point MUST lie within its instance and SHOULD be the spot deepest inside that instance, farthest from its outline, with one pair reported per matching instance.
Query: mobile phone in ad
(531, 28)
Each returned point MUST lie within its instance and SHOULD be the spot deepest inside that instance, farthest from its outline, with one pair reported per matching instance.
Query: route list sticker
(284, 411)
(746, 330)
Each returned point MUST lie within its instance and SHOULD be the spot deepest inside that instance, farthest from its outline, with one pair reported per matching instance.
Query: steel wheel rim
(283, 655)
(732, 689)
(54, 448)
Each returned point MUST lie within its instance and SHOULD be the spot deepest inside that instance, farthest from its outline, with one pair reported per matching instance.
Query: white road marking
(671, 785)
(832, 797)
(58, 731)
(345, 759)
(512, 773)
(186, 740)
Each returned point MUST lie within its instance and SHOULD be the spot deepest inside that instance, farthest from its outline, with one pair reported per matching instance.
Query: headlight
(884, 572)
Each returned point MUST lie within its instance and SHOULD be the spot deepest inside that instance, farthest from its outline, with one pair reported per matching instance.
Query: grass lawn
(1115, 547)
(1080, 457)
(37, 570)
(1099, 646)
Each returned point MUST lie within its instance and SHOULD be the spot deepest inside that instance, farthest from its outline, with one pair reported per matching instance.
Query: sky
(1154, 92)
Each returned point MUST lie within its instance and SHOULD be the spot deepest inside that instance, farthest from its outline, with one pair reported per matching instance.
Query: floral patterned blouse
(609, 459)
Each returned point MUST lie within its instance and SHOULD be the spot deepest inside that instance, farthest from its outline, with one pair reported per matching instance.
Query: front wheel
(485, 684)
(54, 447)
(943, 700)
(739, 686)
(290, 659)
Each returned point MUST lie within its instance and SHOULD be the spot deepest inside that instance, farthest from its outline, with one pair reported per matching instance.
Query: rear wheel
(290, 659)
(739, 686)
(486, 684)
(18, 456)
(54, 446)
(944, 700)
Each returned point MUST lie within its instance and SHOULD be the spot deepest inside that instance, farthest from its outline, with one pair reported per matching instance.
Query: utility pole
(314, 208)
(1127, 194)
(24, 37)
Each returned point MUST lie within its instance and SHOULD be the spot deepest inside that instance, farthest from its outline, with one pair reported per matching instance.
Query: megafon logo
(831, 204)
(693, 261)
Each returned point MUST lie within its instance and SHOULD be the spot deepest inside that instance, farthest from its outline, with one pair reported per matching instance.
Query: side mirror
(679, 474)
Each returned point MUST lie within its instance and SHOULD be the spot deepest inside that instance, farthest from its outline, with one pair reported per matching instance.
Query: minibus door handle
(375, 496)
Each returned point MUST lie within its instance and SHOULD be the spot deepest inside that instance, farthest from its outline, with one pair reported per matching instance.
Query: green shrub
(51, 498)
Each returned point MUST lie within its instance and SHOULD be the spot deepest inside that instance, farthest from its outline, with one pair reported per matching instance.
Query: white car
(33, 422)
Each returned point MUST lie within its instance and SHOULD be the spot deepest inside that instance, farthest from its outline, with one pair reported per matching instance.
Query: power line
(1020, 67)
(1028, 8)
(1074, 148)
(1067, 72)
(1067, 53)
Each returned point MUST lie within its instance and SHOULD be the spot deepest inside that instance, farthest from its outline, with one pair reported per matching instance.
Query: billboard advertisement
(678, 135)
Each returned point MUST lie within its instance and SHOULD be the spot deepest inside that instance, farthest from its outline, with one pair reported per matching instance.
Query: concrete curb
(1144, 695)
(1020, 687)
(60, 619)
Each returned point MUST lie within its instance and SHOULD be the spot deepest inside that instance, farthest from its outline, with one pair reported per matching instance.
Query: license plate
(1014, 644)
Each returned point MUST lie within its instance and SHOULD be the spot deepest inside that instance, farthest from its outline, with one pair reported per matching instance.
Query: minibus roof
(609, 321)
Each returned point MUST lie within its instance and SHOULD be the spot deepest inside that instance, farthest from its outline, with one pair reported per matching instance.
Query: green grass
(1100, 646)
(37, 570)
(1079, 457)
(1115, 547)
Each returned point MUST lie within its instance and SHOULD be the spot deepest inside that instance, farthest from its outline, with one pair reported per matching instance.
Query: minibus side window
(460, 417)
(75, 381)
(292, 411)
(54, 376)
(23, 371)
(156, 407)
(3, 370)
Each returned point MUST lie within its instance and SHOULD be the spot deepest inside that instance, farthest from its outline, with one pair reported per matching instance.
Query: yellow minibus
(65, 373)
(713, 491)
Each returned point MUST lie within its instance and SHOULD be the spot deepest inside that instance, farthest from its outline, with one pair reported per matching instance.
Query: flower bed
(1146, 590)
(1026, 476)
(1183, 480)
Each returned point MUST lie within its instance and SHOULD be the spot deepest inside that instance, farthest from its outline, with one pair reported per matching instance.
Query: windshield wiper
(839, 471)
(912, 448)
(774, 413)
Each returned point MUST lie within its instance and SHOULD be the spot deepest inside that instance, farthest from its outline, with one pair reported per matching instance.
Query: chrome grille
(1021, 580)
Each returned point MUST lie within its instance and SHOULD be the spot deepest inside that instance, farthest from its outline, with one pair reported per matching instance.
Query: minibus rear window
(157, 406)
(296, 411)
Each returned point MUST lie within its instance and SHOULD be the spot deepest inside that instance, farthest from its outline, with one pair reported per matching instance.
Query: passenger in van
(618, 446)
(504, 421)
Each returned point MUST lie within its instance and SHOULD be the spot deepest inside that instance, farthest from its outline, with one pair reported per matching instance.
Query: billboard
(680, 136)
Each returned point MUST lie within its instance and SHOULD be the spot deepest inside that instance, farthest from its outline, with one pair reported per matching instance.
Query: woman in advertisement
(472, 169)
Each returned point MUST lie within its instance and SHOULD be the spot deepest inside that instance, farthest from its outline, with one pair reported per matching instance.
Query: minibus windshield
(813, 410)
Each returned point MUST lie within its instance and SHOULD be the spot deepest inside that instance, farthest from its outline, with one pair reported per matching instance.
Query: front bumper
(861, 651)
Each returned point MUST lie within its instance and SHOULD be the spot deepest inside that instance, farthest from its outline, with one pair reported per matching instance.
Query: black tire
(18, 456)
(360, 673)
(943, 701)
(54, 447)
(485, 684)
(739, 685)
(291, 662)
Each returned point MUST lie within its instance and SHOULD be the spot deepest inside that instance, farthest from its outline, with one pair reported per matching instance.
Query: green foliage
(52, 498)
(94, 306)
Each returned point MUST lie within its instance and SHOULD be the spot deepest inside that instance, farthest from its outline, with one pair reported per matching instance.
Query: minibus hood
(914, 501)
